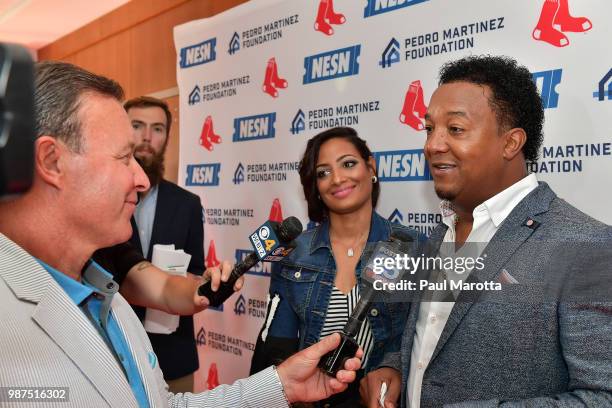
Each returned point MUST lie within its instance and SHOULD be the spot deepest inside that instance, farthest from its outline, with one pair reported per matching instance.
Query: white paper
(174, 262)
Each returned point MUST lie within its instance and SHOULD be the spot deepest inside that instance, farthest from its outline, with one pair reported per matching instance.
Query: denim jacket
(304, 281)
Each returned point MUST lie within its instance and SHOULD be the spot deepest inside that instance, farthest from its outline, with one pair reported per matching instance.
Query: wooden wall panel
(134, 45)
(121, 19)
(172, 150)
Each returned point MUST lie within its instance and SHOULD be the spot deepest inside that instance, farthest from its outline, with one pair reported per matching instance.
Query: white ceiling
(36, 23)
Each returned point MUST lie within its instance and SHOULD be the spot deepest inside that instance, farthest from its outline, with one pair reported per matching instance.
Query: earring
(319, 197)
(374, 179)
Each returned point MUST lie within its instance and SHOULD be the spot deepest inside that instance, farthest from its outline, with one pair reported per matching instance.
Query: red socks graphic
(569, 23)
(554, 18)
(326, 16)
(272, 80)
(211, 256)
(276, 212)
(208, 135)
(213, 377)
(414, 107)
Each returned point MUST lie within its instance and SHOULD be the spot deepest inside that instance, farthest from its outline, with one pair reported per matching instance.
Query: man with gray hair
(65, 327)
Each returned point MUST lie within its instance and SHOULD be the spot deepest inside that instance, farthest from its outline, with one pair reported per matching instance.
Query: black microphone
(334, 360)
(17, 132)
(272, 242)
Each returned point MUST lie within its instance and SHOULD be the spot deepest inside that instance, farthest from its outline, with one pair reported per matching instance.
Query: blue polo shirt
(93, 295)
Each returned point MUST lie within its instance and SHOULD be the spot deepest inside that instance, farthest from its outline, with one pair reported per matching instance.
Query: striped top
(340, 308)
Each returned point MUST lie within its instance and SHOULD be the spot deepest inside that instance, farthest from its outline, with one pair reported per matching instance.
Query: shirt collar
(379, 231)
(497, 207)
(501, 205)
(76, 291)
(94, 280)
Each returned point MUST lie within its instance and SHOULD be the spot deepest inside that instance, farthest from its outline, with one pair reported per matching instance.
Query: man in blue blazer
(550, 345)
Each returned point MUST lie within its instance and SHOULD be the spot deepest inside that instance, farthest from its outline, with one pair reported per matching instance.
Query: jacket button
(297, 275)
(374, 312)
(326, 405)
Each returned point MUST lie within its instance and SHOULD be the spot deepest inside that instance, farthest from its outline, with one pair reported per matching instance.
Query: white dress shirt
(488, 216)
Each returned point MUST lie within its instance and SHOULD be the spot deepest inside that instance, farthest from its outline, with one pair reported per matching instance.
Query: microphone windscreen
(289, 229)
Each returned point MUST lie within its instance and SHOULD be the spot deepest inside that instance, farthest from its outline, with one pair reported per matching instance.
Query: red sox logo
(414, 107)
(271, 79)
(555, 20)
(326, 16)
(208, 135)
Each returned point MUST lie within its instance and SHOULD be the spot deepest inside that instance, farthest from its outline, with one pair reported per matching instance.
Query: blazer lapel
(512, 233)
(61, 319)
(141, 357)
(64, 323)
(429, 248)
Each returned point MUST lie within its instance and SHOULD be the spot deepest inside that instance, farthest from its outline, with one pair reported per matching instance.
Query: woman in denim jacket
(311, 289)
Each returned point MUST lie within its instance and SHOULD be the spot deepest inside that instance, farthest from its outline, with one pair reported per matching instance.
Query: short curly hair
(515, 97)
(317, 210)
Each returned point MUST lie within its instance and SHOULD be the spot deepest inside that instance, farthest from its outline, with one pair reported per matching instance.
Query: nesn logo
(203, 174)
(198, 54)
(254, 127)
(402, 165)
(332, 64)
(375, 7)
(547, 82)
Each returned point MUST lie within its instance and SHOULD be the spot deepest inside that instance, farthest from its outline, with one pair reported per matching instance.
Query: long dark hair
(317, 210)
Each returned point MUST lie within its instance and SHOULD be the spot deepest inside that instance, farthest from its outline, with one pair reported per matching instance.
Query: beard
(445, 194)
(153, 164)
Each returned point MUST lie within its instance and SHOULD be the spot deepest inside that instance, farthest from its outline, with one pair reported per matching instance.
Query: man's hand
(199, 302)
(303, 381)
(216, 276)
(148, 286)
(369, 387)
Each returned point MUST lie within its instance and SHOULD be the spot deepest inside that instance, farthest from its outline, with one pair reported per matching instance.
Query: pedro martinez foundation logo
(444, 41)
(262, 34)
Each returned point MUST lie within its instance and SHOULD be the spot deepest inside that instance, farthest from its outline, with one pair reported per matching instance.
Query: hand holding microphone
(271, 241)
(334, 360)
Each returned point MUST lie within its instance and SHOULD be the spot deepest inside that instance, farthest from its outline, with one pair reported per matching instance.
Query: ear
(514, 140)
(48, 152)
(372, 165)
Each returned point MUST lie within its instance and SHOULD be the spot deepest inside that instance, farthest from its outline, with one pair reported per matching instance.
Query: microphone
(334, 360)
(272, 242)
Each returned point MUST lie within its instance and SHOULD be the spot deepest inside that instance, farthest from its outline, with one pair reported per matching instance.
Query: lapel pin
(531, 223)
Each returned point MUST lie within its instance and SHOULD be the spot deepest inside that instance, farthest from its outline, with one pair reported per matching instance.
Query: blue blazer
(531, 353)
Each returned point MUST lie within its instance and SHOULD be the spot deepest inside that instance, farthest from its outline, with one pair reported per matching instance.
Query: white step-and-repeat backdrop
(259, 80)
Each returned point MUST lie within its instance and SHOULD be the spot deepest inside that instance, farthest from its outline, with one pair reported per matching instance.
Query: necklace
(351, 249)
